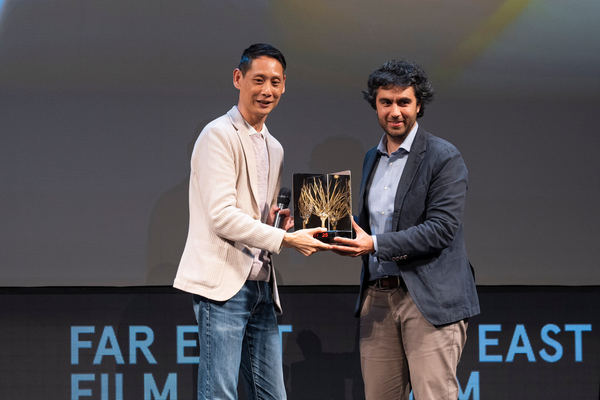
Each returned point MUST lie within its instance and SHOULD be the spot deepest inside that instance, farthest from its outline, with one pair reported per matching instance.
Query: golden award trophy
(323, 200)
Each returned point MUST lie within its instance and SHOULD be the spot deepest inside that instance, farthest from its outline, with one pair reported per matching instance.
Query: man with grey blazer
(226, 264)
(417, 287)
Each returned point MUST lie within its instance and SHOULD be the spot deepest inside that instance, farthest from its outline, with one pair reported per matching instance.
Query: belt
(388, 282)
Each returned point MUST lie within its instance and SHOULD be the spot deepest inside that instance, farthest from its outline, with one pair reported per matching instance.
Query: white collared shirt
(261, 265)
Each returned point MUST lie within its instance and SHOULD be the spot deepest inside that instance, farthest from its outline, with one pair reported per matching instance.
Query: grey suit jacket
(427, 242)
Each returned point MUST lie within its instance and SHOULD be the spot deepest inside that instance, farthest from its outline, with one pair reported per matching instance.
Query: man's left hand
(287, 220)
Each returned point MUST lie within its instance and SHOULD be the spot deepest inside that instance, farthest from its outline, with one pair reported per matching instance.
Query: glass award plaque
(324, 200)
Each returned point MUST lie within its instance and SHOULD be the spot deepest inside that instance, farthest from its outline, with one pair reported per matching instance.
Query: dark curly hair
(400, 73)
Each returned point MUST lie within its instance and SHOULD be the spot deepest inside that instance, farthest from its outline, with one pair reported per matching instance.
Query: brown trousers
(400, 350)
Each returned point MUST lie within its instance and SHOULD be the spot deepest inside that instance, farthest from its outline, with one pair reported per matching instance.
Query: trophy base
(328, 236)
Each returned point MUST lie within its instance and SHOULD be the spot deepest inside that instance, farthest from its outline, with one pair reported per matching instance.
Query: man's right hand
(304, 242)
(362, 244)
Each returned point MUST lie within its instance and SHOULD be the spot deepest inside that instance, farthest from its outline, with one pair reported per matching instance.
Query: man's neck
(256, 122)
(394, 143)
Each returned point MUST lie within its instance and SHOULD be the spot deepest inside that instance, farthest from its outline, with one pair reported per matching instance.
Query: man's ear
(237, 76)
(284, 77)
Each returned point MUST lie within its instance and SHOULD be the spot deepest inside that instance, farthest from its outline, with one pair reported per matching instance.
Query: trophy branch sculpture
(328, 197)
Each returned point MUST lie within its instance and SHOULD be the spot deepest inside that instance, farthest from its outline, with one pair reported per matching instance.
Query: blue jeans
(241, 332)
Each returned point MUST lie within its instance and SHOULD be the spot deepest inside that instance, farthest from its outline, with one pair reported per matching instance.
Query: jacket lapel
(273, 166)
(416, 155)
(240, 126)
(367, 176)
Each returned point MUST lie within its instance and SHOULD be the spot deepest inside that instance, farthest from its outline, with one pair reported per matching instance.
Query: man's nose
(395, 111)
(267, 89)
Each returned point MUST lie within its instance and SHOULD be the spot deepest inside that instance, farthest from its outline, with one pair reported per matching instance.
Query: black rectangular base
(328, 236)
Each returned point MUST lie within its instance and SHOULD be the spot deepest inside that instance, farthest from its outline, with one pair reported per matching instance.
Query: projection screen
(101, 102)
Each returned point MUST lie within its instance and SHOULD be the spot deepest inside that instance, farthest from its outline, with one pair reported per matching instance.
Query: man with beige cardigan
(226, 264)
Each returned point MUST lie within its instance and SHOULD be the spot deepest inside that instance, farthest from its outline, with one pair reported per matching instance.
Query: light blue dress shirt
(382, 194)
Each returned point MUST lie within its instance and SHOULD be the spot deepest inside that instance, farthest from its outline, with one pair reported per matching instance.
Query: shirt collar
(405, 146)
(252, 131)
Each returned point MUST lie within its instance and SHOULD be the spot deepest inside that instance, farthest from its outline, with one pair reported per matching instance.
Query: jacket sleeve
(444, 202)
(215, 172)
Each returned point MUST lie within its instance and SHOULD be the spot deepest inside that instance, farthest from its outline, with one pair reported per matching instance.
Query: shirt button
(385, 188)
(383, 212)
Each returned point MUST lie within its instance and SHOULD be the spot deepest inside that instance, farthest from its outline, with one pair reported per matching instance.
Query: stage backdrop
(101, 102)
(122, 344)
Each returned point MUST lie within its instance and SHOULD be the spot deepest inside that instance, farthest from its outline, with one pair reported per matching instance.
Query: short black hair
(400, 73)
(257, 50)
